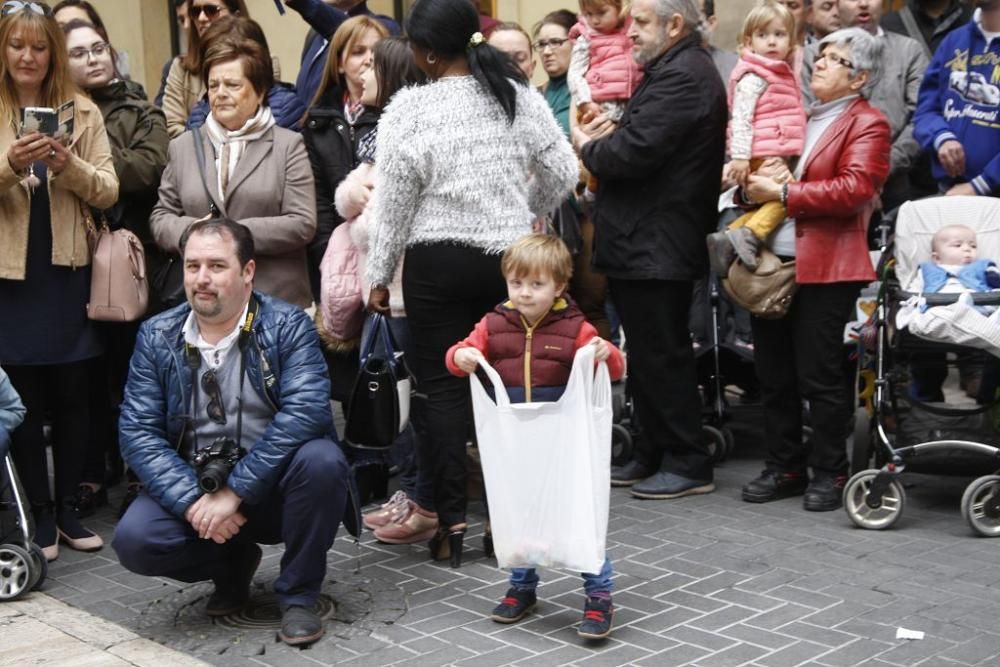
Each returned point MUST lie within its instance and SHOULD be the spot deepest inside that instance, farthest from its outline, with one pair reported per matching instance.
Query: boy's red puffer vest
(539, 357)
(779, 121)
(613, 73)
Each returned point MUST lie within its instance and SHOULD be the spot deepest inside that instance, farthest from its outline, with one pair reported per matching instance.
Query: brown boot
(419, 526)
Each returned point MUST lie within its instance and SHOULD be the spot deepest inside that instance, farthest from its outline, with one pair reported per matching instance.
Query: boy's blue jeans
(526, 579)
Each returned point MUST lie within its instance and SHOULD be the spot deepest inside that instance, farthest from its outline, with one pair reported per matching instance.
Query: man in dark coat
(659, 172)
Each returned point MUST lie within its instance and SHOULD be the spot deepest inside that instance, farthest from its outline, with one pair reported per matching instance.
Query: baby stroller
(22, 564)
(895, 429)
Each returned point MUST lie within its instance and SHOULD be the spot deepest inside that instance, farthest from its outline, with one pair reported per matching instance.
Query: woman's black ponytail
(450, 28)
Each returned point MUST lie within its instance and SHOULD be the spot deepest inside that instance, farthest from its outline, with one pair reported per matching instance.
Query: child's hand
(739, 171)
(467, 359)
(601, 349)
(587, 112)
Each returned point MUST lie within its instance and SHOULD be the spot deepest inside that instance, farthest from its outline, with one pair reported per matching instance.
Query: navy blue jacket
(960, 99)
(284, 365)
(284, 102)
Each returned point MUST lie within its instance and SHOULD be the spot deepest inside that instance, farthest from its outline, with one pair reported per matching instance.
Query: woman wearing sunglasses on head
(45, 186)
(184, 83)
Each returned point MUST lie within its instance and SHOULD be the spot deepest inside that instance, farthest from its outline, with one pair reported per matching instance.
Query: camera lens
(213, 476)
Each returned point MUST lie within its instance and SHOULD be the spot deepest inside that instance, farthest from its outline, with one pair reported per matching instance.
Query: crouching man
(227, 423)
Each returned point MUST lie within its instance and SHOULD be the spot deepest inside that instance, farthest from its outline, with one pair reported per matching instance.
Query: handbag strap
(199, 151)
(380, 331)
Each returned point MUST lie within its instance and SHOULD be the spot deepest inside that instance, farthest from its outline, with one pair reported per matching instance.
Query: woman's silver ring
(52, 152)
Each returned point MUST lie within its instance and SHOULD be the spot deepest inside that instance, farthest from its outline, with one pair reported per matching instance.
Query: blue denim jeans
(526, 579)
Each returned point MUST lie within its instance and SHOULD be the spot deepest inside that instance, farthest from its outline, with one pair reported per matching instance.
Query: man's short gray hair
(865, 50)
(688, 9)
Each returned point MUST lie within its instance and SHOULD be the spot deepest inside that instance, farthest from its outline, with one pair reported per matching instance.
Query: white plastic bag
(547, 468)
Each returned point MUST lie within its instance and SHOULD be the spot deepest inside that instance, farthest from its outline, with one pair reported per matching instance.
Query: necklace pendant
(32, 181)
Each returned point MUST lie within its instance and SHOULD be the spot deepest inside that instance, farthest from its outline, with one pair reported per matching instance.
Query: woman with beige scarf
(252, 171)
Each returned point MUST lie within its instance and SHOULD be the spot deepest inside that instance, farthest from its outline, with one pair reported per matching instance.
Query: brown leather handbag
(766, 292)
(119, 289)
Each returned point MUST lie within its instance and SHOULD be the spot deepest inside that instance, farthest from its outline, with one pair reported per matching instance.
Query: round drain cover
(262, 612)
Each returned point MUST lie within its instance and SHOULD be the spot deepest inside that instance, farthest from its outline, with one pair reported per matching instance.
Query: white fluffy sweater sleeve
(451, 168)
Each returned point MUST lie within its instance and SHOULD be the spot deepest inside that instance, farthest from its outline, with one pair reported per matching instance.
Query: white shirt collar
(212, 355)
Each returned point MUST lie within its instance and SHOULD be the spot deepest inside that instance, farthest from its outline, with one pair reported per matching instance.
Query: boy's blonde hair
(538, 254)
(621, 5)
(761, 16)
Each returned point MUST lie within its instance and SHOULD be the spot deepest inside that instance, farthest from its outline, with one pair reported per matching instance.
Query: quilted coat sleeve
(303, 388)
(142, 429)
(858, 174)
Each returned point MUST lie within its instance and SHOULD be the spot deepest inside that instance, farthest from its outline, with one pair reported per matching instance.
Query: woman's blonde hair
(538, 254)
(57, 86)
(621, 5)
(761, 16)
(348, 34)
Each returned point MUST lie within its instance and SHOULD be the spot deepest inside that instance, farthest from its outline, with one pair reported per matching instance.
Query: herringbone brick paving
(707, 580)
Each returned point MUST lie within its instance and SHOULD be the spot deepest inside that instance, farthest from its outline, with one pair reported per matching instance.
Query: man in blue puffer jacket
(958, 108)
(232, 370)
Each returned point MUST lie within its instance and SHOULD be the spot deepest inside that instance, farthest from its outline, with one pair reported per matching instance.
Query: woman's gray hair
(688, 9)
(865, 50)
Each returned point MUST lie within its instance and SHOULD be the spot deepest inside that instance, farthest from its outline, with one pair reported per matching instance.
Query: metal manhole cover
(263, 613)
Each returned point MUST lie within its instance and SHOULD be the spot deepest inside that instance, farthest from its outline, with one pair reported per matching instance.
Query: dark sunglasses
(211, 11)
(15, 6)
(210, 385)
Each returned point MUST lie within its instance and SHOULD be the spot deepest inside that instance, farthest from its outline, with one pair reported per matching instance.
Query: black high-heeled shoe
(447, 544)
(455, 538)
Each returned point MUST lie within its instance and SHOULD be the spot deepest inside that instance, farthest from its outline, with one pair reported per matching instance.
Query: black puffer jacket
(332, 144)
(660, 170)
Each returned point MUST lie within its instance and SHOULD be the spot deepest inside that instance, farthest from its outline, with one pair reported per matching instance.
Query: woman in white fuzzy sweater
(464, 165)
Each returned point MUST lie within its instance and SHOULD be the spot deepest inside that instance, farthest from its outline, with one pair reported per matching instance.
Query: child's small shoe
(747, 246)
(597, 613)
(721, 253)
(514, 606)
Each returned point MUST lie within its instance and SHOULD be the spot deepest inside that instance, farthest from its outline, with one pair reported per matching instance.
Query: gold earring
(431, 59)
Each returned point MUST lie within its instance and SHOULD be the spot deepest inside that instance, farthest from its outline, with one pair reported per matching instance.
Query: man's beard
(206, 309)
(651, 51)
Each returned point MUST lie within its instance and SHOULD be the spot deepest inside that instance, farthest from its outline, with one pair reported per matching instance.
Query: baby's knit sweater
(450, 168)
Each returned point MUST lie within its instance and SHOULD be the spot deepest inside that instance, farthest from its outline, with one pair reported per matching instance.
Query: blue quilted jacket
(285, 105)
(283, 364)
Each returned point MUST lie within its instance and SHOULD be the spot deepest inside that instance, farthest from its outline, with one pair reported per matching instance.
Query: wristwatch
(784, 194)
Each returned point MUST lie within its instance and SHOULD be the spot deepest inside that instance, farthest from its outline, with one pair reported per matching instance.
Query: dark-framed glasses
(210, 11)
(210, 385)
(15, 6)
(831, 58)
(82, 52)
(555, 43)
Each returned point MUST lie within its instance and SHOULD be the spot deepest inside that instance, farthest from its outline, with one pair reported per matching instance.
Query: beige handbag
(766, 293)
(119, 290)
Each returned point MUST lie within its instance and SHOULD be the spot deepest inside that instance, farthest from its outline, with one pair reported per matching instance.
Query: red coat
(835, 197)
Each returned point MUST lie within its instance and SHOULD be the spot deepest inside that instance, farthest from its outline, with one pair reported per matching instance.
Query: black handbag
(379, 407)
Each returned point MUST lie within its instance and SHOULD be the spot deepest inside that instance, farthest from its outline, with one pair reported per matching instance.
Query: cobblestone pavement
(707, 580)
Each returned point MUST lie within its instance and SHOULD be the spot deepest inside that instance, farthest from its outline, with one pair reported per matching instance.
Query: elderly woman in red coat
(837, 180)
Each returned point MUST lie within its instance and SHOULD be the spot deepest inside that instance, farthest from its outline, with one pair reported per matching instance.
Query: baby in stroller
(955, 265)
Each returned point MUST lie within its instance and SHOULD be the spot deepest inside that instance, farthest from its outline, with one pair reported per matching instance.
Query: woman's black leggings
(447, 289)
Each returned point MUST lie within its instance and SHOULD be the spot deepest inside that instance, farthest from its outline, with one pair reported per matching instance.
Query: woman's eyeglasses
(15, 6)
(82, 52)
(215, 409)
(555, 43)
(210, 11)
(831, 58)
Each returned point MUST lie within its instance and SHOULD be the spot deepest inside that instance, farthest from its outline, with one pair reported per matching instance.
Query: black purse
(379, 407)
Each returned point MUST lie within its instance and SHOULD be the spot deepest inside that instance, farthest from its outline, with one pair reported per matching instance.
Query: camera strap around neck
(194, 363)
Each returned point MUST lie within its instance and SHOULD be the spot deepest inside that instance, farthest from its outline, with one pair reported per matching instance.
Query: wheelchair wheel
(41, 569)
(859, 509)
(981, 505)
(16, 568)
(715, 441)
(861, 450)
(621, 445)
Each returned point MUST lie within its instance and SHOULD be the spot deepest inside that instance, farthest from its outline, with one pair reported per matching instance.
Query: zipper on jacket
(529, 331)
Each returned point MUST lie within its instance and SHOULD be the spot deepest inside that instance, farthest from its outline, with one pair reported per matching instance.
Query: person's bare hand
(57, 157)
(228, 529)
(467, 359)
(739, 171)
(962, 189)
(775, 168)
(378, 300)
(587, 112)
(762, 189)
(211, 510)
(30, 148)
(951, 155)
(601, 350)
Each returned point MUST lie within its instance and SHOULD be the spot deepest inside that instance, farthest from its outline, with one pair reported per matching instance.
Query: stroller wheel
(41, 569)
(981, 505)
(868, 512)
(16, 568)
(715, 441)
(861, 450)
(621, 445)
(727, 435)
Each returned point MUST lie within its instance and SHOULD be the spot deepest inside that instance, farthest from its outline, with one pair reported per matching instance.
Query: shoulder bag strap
(199, 151)
(910, 23)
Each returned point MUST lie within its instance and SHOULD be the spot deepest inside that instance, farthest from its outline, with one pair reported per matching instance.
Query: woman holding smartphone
(48, 341)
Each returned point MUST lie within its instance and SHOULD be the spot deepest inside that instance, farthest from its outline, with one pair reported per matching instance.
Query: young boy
(531, 340)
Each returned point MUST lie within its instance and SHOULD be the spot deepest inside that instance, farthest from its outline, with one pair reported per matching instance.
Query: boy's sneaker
(514, 606)
(596, 623)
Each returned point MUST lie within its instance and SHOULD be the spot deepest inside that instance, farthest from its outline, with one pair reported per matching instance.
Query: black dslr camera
(215, 462)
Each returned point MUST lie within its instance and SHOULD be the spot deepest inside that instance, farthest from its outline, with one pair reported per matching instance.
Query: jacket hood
(117, 90)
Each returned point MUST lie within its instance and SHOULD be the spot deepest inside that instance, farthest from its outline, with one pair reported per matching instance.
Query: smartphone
(39, 119)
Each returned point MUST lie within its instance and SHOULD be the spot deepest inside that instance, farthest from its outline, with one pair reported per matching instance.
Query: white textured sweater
(450, 168)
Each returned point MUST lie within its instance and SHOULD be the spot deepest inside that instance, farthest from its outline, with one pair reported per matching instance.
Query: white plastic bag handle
(600, 393)
(499, 391)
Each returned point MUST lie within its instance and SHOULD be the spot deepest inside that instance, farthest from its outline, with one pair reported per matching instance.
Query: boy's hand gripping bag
(547, 468)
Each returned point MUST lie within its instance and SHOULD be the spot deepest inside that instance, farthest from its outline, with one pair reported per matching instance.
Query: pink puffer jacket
(779, 121)
(613, 73)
